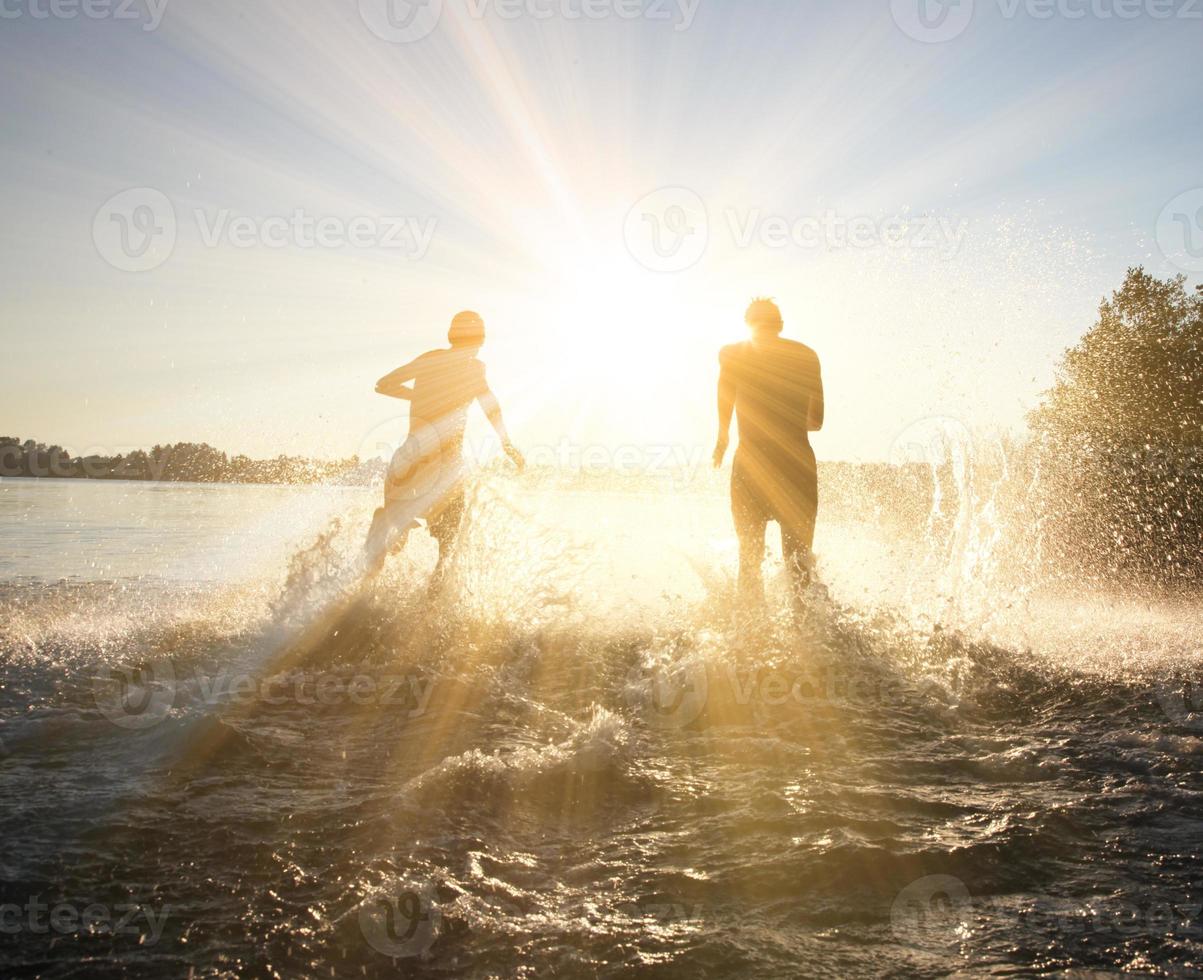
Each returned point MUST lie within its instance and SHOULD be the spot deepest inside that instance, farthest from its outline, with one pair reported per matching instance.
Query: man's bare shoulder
(731, 353)
(466, 368)
(799, 348)
(800, 353)
(450, 358)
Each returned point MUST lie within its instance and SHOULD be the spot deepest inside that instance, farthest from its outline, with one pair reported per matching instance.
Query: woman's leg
(392, 516)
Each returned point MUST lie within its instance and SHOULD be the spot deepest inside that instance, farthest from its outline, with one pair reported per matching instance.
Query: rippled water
(222, 753)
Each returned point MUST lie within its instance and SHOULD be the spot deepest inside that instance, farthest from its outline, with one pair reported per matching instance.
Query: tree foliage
(1120, 436)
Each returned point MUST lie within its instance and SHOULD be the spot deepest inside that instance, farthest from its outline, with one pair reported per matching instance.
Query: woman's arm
(492, 409)
(393, 384)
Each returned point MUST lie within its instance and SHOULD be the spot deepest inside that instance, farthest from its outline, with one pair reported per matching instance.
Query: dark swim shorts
(444, 522)
(775, 487)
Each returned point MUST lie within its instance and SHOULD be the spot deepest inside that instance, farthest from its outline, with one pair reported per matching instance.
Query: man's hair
(763, 314)
(467, 330)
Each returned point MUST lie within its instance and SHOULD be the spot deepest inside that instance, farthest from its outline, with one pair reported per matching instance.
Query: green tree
(1120, 437)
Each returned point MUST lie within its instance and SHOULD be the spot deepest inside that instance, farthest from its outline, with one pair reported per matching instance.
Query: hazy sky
(997, 167)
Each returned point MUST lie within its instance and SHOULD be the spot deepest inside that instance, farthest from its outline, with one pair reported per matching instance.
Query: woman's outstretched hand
(516, 457)
(720, 451)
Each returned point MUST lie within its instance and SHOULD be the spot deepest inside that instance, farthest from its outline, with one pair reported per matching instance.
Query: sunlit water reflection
(577, 756)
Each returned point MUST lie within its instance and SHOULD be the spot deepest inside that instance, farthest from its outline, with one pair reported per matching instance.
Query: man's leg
(798, 529)
(392, 516)
(444, 527)
(797, 554)
(750, 523)
(751, 557)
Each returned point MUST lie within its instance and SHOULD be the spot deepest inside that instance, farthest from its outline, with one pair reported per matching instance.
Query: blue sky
(1049, 146)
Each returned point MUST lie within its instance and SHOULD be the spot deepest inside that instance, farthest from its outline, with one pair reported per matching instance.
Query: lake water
(87, 530)
(225, 753)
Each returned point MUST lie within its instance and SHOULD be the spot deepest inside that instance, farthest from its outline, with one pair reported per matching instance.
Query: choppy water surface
(226, 755)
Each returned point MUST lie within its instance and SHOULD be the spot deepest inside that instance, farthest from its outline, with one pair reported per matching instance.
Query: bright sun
(626, 355)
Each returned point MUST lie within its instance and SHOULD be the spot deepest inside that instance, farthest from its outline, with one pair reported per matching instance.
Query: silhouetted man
(425, 477)
(775, 388)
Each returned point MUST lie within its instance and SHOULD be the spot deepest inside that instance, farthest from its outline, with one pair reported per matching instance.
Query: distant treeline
(182, 462)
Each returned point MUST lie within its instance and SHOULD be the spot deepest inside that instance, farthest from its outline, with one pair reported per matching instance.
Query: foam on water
(579, 756)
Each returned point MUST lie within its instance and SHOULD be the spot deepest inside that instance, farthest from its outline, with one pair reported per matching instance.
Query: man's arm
(726, 406)
(815, 412)
(492, 409)
(393, 384)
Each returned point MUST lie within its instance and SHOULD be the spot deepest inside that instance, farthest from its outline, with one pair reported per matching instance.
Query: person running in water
(426, 476)
(775, 388)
